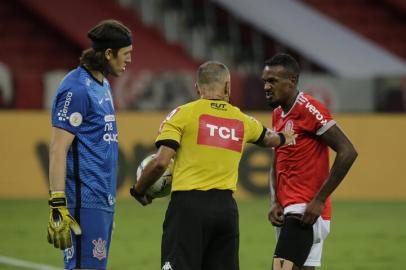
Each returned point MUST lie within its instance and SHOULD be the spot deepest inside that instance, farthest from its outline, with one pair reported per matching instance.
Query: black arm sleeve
(261, 137)
(168, 143)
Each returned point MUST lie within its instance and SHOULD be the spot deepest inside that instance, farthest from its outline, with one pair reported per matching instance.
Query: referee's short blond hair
(212, 74)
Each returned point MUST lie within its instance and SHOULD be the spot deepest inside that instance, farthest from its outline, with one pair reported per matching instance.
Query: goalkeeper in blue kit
(84, 151)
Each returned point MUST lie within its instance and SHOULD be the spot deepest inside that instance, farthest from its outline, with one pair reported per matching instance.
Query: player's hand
(141, 198)
(312, 212)
(61, 222)
(275, 215)
(290, 136)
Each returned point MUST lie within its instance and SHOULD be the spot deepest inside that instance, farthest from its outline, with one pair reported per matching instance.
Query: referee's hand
(141, 198)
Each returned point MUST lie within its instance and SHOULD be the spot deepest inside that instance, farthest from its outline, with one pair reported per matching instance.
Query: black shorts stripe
(76, 175)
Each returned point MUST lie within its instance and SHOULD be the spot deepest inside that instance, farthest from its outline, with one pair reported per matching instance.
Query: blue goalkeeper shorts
(90, 250)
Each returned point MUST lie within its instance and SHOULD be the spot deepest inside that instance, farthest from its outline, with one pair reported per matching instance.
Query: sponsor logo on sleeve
(63, 113)
(75, 119)
(221, 132)
(170, 115)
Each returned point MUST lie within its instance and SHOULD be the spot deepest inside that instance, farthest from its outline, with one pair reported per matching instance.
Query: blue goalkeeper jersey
(84, 107)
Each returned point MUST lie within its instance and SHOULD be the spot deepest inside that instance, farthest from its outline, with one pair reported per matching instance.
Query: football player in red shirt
(301, 181)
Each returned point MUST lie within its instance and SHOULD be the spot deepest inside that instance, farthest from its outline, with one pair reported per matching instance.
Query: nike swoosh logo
(101, 101)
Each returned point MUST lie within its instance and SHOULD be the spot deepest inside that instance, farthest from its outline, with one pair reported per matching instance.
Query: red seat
(373, 20)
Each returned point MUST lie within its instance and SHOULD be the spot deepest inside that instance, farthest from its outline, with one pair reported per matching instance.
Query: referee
(207, 136)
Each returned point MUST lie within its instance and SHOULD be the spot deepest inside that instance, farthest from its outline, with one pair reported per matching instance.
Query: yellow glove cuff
(57, 199)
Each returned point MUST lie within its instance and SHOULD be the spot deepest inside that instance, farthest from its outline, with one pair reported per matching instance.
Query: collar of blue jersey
(91, 75)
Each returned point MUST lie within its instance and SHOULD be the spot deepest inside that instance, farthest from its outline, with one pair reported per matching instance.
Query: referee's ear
(197, 90)
(227, 89)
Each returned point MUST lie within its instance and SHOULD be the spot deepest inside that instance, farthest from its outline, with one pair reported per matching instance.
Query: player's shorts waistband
(194, 192)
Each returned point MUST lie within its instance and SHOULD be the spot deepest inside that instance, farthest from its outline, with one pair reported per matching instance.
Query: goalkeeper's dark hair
(287, 62)
(105, 35)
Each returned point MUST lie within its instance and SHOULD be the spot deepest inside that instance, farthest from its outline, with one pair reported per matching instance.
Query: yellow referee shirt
(211, 135)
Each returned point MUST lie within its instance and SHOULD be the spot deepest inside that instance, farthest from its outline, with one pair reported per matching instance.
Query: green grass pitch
(364, 235)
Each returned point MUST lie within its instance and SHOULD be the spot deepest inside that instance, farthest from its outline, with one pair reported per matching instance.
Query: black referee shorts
(201, 231)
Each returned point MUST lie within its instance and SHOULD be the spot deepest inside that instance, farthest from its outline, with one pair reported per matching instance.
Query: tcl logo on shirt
(220, 132)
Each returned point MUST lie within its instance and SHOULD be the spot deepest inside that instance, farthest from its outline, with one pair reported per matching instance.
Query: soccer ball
(162, 187)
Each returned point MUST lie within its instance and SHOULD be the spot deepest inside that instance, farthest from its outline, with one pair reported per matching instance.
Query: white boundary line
(26, 264)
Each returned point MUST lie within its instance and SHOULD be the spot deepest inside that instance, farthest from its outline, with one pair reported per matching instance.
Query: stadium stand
(43, 39)
(29, 47)
(242, 34)
(208, 30)
(40, 36)
(383, 22)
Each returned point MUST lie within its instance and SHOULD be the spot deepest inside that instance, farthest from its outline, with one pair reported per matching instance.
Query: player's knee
(282, 264)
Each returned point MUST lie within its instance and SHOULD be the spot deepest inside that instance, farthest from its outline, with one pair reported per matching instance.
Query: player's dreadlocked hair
(286, 61)
(108, 34)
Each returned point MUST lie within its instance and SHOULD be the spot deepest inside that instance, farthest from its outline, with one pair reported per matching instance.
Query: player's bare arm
(274, 139)
(345, 157)
(152, 172)
(60, 221)
(61, 140)
(275, 215)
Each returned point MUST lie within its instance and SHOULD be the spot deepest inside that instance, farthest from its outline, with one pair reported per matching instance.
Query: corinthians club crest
(99, 250)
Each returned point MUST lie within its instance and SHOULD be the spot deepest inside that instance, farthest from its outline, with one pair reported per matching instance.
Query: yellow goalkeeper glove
(61, 222)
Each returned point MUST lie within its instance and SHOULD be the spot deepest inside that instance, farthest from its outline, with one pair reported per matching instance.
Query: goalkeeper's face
(118, 63)
(278, 86)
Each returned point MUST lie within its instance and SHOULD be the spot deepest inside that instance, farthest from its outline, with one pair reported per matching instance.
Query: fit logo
(221, 132)
(218, 106)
